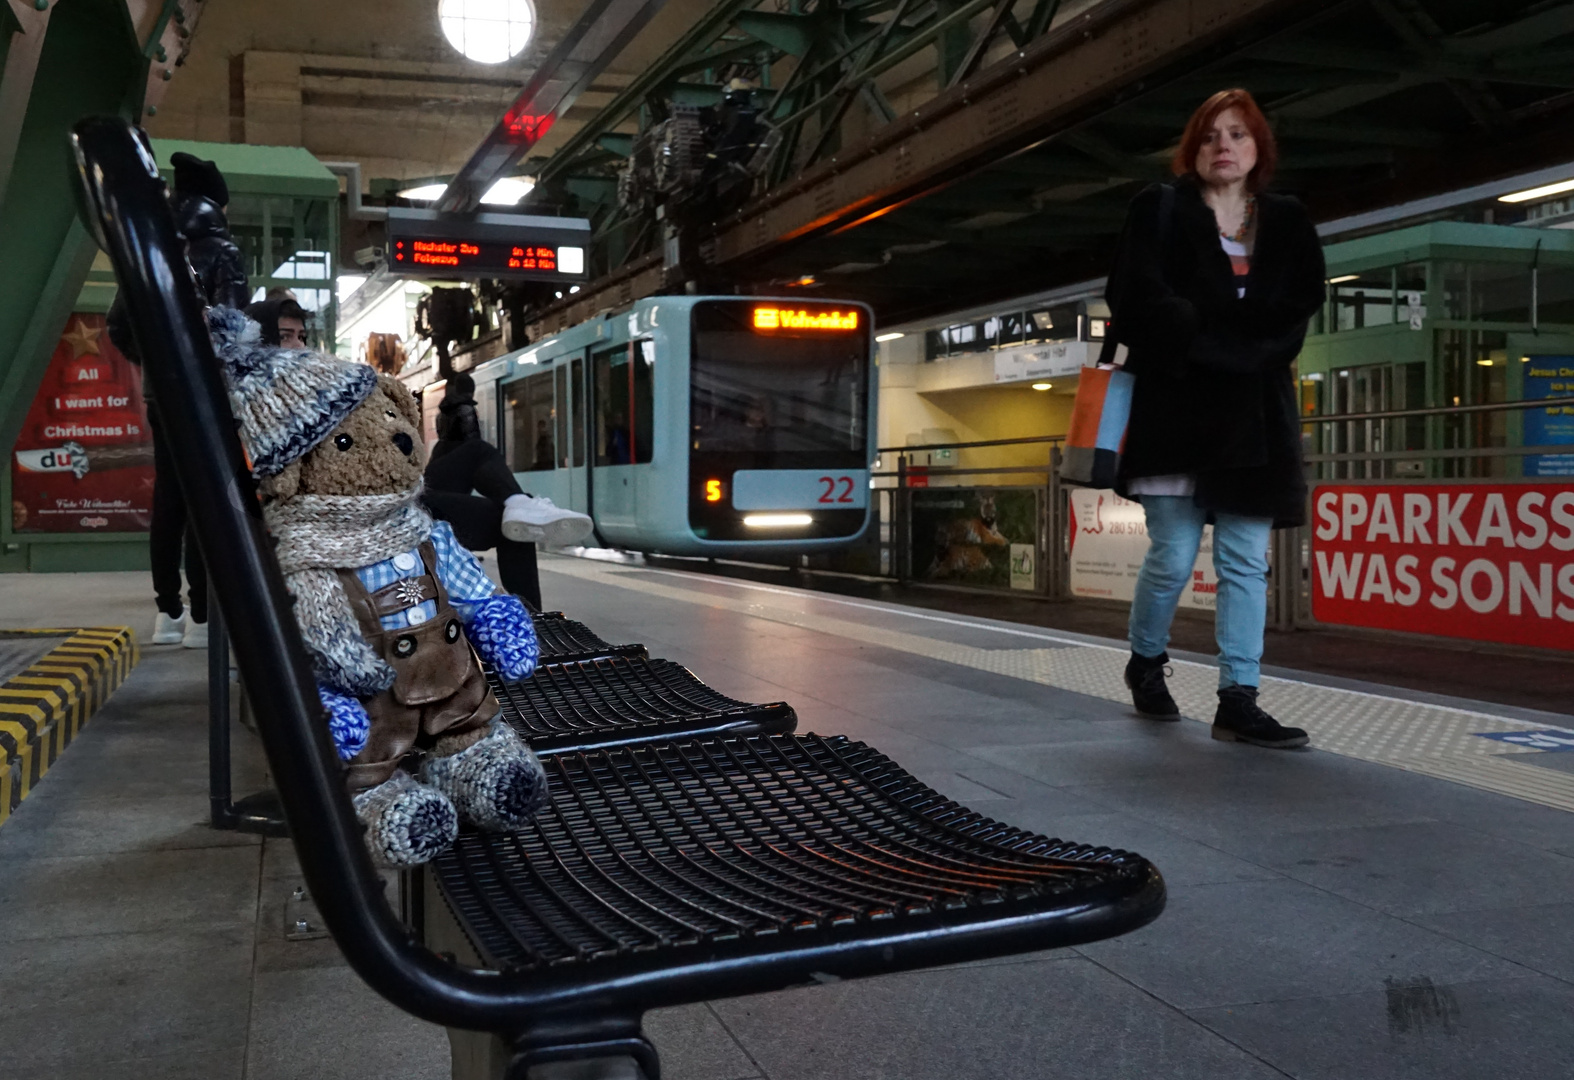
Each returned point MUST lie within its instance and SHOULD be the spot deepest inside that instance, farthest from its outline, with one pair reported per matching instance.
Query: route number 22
(831, 495)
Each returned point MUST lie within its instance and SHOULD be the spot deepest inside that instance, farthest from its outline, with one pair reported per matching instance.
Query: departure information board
(423, 243)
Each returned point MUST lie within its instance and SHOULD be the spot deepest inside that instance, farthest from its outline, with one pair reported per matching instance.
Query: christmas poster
(84, 458)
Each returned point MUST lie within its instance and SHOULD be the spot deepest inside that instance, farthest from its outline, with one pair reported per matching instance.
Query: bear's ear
(403, 400)
(282, 485)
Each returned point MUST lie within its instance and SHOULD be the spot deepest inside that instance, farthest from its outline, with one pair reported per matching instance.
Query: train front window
(782, 393)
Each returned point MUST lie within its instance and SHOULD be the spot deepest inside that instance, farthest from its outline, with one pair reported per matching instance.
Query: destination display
(490, 260)
(423, 243)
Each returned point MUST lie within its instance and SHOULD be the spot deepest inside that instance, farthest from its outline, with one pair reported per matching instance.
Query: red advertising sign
(1488, 562)
(84, 458)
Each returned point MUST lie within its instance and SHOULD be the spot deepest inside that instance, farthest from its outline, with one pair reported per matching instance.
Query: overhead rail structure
(921, 151)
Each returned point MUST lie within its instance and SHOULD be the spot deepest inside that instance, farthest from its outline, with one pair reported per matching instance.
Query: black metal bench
(685, 832)
(563, 640)
(687, 871)
(612, 700)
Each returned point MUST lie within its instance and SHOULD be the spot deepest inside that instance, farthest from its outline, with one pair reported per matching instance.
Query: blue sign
(1549, 377)
(1548, 739)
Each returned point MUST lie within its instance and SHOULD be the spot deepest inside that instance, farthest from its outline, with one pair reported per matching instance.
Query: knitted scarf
(317, 535)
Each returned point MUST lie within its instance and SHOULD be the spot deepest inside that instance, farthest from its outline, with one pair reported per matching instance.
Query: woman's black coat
(1214, 395)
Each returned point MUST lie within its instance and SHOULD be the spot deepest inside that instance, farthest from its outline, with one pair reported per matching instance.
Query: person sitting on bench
(470, 486)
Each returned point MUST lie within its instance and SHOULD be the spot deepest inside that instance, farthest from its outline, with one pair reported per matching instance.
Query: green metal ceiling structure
(1016, 175)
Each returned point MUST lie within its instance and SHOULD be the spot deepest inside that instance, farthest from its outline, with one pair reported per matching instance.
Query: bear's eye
(343, 441)
(390, 414)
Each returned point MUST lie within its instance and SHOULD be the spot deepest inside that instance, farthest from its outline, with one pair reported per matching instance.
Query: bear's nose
(403, 442)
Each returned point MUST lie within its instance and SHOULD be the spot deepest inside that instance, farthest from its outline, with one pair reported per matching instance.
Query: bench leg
(605, 1048)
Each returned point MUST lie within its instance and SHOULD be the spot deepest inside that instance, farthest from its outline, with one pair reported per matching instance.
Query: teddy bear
(393, 611)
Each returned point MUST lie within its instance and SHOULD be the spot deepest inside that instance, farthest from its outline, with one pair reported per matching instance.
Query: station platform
(1393, 902)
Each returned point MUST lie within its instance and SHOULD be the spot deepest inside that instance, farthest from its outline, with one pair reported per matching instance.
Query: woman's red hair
(1201, 122)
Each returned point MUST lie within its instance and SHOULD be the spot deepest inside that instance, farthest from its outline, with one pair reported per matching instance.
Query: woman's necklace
(1246, 222)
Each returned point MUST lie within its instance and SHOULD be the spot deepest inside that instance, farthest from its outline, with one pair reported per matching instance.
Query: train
(721, 426)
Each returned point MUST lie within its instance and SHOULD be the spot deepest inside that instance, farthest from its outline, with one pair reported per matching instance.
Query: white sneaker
(168, 631)
(196, 636)
(531, 520)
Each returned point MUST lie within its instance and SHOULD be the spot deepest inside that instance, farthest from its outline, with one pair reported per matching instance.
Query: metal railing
(1290, 550)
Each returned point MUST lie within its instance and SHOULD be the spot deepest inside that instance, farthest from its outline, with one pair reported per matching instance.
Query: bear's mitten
(502, 633)
(347, 722)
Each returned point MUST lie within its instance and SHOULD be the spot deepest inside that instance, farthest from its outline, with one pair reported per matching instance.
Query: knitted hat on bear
(287, 400)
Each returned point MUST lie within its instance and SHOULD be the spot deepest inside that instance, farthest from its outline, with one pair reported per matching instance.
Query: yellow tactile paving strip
(1434, 740)
(44, 706)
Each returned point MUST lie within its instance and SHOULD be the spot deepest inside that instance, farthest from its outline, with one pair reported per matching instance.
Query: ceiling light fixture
(508, 191)
(892, 336)
(487, 31)
(1043, 386)
(1541, 192)
(424, 193)
(505, 192)
(1342, 277)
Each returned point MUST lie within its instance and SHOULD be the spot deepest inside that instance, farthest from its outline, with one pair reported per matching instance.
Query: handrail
(1026, 439)
(123, 202)
(1442, 410)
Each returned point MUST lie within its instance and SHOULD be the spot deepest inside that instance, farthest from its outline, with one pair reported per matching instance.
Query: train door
(571, 392)
(530, 425)
(621, 416)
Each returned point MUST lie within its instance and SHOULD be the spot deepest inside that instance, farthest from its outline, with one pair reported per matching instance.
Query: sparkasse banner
(1488, 562)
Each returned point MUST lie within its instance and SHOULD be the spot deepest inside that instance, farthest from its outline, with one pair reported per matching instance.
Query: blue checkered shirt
(459, 570)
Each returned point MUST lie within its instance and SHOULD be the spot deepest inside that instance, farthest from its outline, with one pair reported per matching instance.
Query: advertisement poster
(964, 535)
(84, 457)
(1487, 562)
(1549, 377)
(1107, 543)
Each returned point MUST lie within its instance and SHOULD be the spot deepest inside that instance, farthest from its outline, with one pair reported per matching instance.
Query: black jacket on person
(215, 260)
(1214, 395)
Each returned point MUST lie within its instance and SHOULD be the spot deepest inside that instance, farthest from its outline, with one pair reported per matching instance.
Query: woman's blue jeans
(1240, 558)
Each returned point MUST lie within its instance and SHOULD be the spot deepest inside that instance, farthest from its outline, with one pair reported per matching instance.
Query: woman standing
(1213, 284)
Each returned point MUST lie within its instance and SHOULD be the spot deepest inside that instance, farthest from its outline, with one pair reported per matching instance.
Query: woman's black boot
(1145, 678)
(1241, 719)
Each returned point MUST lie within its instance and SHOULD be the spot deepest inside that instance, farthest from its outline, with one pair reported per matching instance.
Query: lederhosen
(438, 685)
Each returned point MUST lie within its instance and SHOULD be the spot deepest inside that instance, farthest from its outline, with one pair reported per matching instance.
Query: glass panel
(1475, 372)
(1555, 294)
(1011, 328)
(577, 427)
(1367, 299)
(783, 394)
(1057, 323)
(1486, 292)
(935, 346)
(527, 413)
(624, 403)
(561, 414)
(970, 337)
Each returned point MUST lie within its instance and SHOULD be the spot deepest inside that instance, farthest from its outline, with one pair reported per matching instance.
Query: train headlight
(777, 521)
